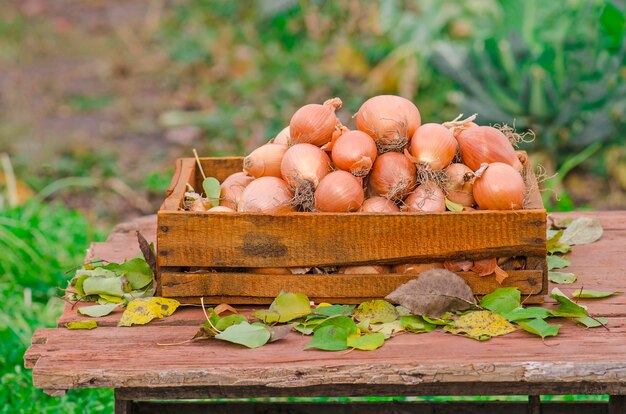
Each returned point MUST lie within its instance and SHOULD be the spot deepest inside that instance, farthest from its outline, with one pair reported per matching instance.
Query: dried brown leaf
(434, 293)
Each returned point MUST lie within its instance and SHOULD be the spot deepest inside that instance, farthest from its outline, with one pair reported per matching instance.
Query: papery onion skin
(500, 187)
(269, 270)
(282, 138)
(266, 195)
(458, 265)
(220, 209)
(459, 185)
(391, 120)
(484, 144)
(379, 205)
(433, 145)
(231, 189)
(314, 123)
(363, 270)
(484, 267)
(415, 268)
(354, 151)
(427, 197)
(393, 176)
(339, 192)
(264, 161)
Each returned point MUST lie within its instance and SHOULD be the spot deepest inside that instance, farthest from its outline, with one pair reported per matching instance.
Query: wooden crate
(188, 243)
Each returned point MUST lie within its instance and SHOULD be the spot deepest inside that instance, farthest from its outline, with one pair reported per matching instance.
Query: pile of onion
(354, 151)
(484, 144)
(266, 195)
(499, 187)
(315, 124)
(303, 166)
(393, 176)
(339, 192)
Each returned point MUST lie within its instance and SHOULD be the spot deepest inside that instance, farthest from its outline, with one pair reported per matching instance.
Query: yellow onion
(415, 268)
(266, 195)
(220, 209)
(484, 144)
(303, 166)
(484, 267)
(264, 161)
(427, 197)
(458, 265)
(354, 151)
(379, 205)
(269, 270)
(339, 192)
(391, 120)
(282, 138)
(314, 124)
(433, 145)
(499, 187)
(231, 189)
(393, 176)
(459, 184)
(363, 270)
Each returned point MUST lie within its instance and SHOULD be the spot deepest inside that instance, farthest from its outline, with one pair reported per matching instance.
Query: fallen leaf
(553, 244)
(212, 190)
(377, 311)
(520, 314)
(435, 292)
(230, 320)
(136, 271)
(452, 206)
(82, 325)
(343, 322)
(480, 325)
(147, 250)
(280, 331)
(367, 342)
(592, 322)
(364, 326)
(416, 324)
(286, 307)
(251, 336)
(103, 284)
(402, 311)
(593, 294)
(583, 230)
(557, 262)
(539, 327)
(388, 329)
(445, 319)
(333, 310)
(219, 309)
(329, 338)
(502, 300)
(561, 278)
(561, 223)
(142, 311)
(97, 311)
(567, 308)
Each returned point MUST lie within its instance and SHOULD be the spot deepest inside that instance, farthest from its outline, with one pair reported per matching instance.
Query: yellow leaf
(323, 305)
(142, 311)
(82, 325)
(480, 325)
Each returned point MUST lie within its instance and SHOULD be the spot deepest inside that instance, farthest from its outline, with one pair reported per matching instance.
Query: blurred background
(98, 97)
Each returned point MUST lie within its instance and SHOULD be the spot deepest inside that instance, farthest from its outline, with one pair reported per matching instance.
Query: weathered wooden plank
(617, 404)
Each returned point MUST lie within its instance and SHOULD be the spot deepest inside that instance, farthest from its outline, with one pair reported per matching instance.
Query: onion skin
(304, 162)
(282, 138)
(433, 145)
(314, 123)
(269, 270)
(459, 186)
(393, 176)
(220, 209)
(266, 195)
(484, 144)
(415, 268)
(231, 189)
(339, 192)
(379, 205)
(264, 161)
(355, 152)
(427, 197)
(484, 267)
(391, 120)
(500, 187)
(364, 270)
(458, 265)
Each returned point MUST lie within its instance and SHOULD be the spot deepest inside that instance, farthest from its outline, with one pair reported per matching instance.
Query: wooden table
(578, 361)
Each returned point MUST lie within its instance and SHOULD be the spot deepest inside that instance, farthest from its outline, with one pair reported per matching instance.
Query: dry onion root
(391, 120)
(303, 167)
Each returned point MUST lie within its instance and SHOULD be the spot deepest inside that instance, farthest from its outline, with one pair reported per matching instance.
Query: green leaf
(343, 322)
(502, 300)
(593, 294)
(97, 311)
(78, 282)
(286, 307)
(583, 230)
(452, 206)
(82, 325)
(212, 190)
(567, 309)
(111, 299)
(561, 277)
(445, 319)
(388, 329)
(558, 262)
(376, 311)
(539, 327)
(612, 22)
(480, 325)
(230, 320)
(329, 338)
(251, 336)
(266, 316)
(367, 342)
(333, 310)
(108, 285)
(136, 271)
(592, 322)
(553, 245)
(416, 324)
(527, 313)
(364, 326)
